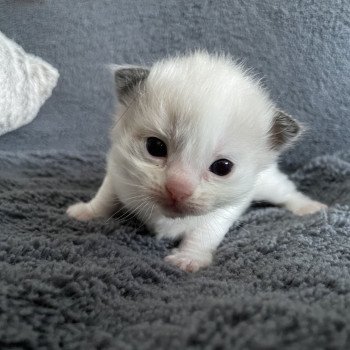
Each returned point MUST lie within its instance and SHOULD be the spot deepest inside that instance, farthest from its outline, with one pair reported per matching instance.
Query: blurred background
(301, 49)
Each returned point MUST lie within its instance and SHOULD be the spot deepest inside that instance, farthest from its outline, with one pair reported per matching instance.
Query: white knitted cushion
(26, 81)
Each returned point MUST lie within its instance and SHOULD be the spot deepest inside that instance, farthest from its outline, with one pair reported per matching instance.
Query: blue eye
(156, 147)
(221, 167)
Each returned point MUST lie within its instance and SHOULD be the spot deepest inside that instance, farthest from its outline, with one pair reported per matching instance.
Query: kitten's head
(192, 135)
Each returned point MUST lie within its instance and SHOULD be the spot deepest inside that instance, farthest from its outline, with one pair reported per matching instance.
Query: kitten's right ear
(127, 80)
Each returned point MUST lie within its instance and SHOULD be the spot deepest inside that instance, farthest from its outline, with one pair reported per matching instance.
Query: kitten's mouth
(176, 209)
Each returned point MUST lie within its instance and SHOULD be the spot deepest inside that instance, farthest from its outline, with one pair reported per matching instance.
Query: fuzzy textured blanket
(278, 281)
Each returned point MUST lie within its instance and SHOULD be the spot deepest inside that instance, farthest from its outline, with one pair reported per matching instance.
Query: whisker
(123, 208)
(150, 214)
(139, 213)
(132, 211)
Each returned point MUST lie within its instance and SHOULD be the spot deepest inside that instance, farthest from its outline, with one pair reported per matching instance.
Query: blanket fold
(26, 82)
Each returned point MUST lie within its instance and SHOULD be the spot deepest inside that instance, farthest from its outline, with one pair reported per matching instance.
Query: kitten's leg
(275, 187)
(102, 205)
(201, 238)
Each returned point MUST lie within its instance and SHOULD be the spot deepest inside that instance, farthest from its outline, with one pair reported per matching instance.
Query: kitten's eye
(221, 167)
(156, 147)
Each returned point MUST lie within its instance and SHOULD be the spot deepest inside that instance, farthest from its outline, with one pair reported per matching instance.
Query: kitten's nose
(179, 188)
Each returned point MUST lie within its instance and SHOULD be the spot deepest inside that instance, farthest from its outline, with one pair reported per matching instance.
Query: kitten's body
(206, 114)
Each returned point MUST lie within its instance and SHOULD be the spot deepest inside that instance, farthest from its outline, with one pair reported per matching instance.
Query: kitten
(196, 141)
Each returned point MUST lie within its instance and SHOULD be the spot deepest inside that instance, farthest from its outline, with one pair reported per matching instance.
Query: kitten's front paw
(81, 211)
(310, 207)
(189, 262)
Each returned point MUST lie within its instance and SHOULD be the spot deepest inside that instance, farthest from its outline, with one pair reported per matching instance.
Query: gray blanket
(278, 281)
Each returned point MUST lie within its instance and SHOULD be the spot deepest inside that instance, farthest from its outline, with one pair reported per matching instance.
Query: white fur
(204, 108)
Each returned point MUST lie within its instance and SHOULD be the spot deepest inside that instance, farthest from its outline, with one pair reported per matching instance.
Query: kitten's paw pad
(188, 262)
(309, 208)
(81, 211)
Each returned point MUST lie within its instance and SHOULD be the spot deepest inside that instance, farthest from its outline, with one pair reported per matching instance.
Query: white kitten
(197, 139)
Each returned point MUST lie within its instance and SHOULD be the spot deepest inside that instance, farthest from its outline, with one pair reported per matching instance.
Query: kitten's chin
(177, 211)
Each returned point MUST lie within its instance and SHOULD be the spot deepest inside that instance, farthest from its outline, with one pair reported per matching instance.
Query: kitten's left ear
(127, 80)
(283, 131)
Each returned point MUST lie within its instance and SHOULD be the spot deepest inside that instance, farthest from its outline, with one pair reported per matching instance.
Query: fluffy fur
(204, 108)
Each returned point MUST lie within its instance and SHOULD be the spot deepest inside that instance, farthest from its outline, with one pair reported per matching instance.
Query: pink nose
(179, 188)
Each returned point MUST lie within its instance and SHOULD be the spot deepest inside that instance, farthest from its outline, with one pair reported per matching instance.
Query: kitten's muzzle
(178, 192)
(175, 198)
(180, 210)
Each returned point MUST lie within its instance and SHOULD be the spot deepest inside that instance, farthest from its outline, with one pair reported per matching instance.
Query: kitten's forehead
(205, 104)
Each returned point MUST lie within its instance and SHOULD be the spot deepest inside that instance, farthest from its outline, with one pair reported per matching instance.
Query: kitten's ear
(127, 80)
(283, 131)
